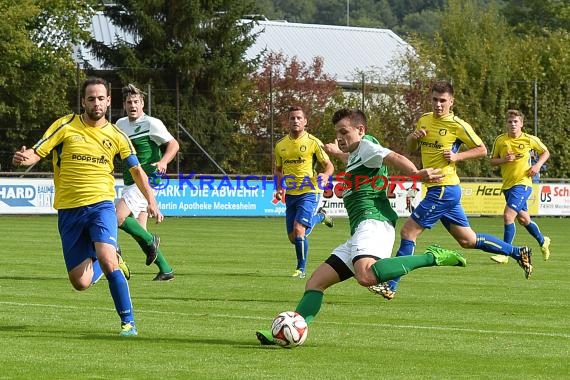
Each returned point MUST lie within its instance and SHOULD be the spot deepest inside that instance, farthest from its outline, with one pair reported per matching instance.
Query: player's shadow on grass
(181, 340)
(13, 328)
(209, 298)
(31, 278)
(31, 333)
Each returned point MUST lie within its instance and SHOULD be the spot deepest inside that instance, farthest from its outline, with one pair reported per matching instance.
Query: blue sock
(121, 296)
(533, 229)
(305, 252)
(301, 249)
(491, 244)
(97, 271)
(407, 248)
(509, 233)
(317, 218)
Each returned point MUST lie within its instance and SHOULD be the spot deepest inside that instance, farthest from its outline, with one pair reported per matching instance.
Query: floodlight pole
(535, 108)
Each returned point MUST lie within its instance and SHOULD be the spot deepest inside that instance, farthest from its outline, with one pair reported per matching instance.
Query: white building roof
(346, 51)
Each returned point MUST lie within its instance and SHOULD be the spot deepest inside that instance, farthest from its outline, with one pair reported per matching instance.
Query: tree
(537, 17)
(494, 67)
(471, 52)
(280, 83)
(36, 46)
(547, 57)
(193, 54)
(425, 23)
(296, 10)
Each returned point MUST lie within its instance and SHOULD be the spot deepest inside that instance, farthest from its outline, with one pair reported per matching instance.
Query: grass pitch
(232, 277)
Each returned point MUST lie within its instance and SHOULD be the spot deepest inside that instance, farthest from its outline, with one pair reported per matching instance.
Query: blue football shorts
(441, 203)
(300, 208)
(517, 196)
(80, 227)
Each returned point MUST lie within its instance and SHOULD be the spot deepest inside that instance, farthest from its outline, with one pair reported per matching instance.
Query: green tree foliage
(280, 83)
(493, 68)
(197, 48)
(372, 14)
(296, 10)
(471, 53)
(537, 17)
(402, 8)
(424, 23)
(395, 98)
(37, 67)
(548, 57)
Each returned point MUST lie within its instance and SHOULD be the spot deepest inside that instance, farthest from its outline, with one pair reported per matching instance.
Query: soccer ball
(289, 329)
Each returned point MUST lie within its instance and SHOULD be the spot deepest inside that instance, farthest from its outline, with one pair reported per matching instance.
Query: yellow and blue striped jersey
(298, 158)
(82, 157)
(444, 133)
(516, 172)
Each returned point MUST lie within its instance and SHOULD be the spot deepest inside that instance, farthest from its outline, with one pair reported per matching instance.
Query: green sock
(310, 304)
(161, 262)
(133, 228)
(387, 269)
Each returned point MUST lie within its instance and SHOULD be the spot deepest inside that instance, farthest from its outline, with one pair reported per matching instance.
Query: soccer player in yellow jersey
(438, 135)
(296, 155)
(82, 148)
(512, 152)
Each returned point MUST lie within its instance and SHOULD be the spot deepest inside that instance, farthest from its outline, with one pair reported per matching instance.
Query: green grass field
(481, 322)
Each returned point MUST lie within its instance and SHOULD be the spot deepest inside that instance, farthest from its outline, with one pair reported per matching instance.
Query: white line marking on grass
(366, 324)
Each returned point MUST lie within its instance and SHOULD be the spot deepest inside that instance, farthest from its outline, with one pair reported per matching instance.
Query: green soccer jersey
(147, 134)
(365, 181)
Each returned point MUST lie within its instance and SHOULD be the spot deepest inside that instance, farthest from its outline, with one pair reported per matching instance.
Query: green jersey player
(147, 135)
(366, 255)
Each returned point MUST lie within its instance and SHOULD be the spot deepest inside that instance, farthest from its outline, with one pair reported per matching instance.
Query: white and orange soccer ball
(289, 329)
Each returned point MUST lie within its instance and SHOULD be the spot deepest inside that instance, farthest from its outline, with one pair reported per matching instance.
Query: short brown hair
(515, 113)
(296, 108)
(355, 116)
(442, 87)
(91, 81)
(131, 89)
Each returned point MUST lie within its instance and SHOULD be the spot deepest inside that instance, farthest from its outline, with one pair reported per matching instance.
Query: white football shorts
(135, 200)
(372, 238)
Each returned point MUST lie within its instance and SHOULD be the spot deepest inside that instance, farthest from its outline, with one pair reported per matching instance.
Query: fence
(253, 195)
(208, 149)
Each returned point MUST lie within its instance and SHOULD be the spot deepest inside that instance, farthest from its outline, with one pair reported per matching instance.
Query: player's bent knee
(79, 284)
(366, 280)
(466, 244)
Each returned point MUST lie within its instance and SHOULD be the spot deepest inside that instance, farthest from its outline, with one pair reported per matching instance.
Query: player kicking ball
(366, 255)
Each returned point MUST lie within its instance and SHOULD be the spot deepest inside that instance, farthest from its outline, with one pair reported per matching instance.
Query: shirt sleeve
(467, 135)
(278, 159)
(372, 154)
(495, 151)
(322, 156)
(158, 132)
(53, 136)
(537, 145)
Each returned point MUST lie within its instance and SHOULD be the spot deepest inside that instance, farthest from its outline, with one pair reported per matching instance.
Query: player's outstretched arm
(279, 190)
(477, 152)
(25, 157)
(403, 164)
(325, 176)
(333, 150)
(412, 140)
(535, 169)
